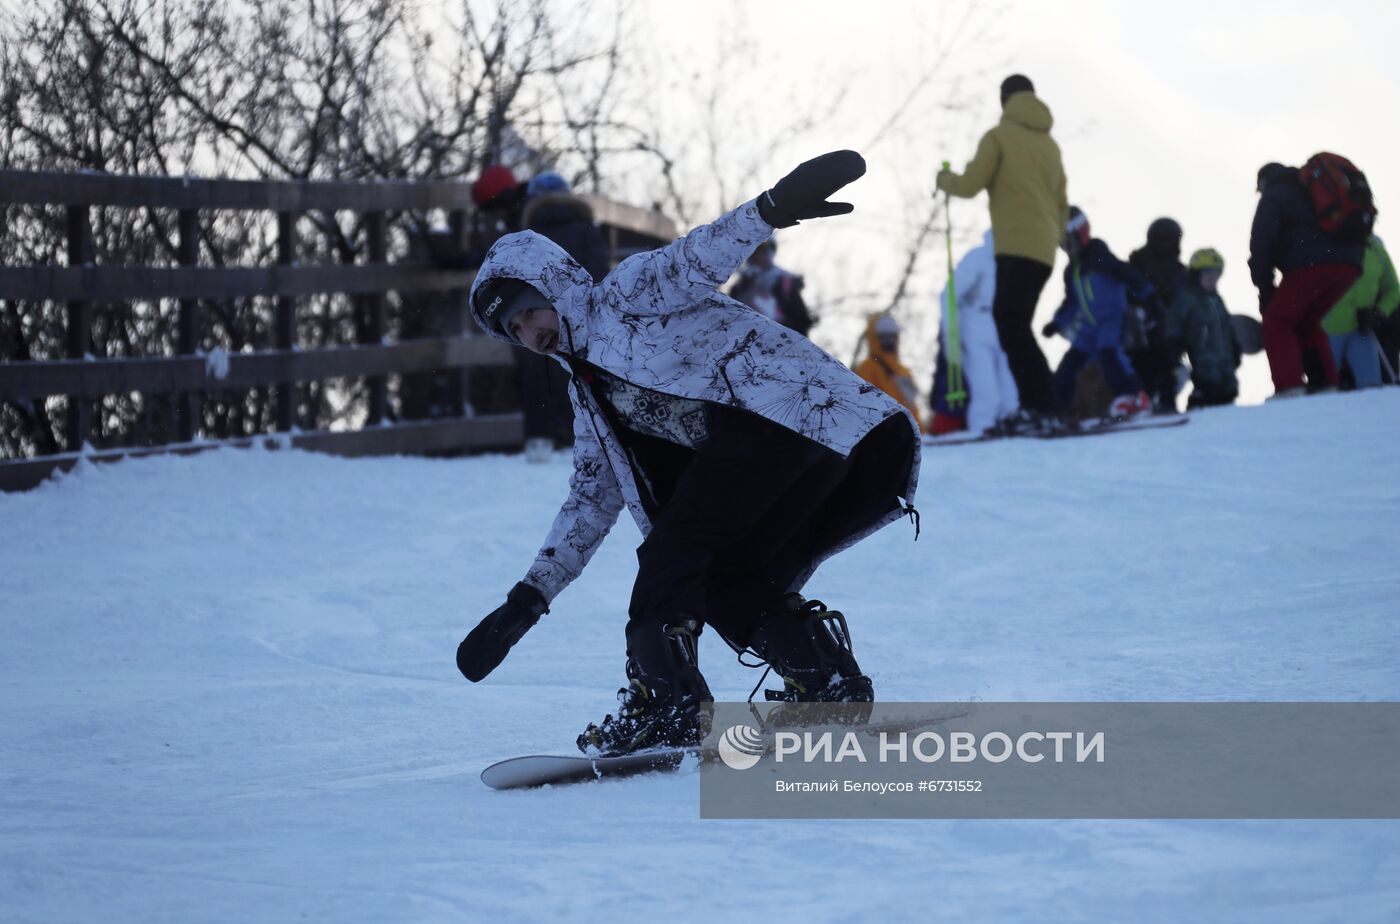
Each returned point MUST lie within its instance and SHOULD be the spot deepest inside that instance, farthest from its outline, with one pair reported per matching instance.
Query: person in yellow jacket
(1018, 164)
(882, 368)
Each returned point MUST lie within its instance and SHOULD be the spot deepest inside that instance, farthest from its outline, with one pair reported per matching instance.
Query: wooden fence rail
(82, 283)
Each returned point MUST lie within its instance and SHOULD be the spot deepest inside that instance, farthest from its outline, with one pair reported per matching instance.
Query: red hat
(494, 180)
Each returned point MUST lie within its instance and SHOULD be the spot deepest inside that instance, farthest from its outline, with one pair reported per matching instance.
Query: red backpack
(1340, 196)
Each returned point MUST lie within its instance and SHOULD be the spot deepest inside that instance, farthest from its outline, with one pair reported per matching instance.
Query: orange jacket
(883, 369)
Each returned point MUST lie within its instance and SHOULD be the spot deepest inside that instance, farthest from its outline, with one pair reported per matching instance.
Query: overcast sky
(1159, 110)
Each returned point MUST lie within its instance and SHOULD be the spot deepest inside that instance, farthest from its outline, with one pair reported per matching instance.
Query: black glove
(1369, 319)
(803, 192)
(1049, 330)
(1265, 296)
(482, 652)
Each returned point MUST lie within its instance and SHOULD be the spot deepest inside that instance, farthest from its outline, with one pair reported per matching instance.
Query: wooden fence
(80, 284)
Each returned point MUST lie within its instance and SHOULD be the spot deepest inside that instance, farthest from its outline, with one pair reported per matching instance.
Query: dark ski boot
(810, 648)
(666, 703)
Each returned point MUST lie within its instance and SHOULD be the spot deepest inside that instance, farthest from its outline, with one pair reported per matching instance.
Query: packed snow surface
(229, 691)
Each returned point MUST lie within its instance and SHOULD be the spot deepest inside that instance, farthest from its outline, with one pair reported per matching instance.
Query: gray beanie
(500, 300)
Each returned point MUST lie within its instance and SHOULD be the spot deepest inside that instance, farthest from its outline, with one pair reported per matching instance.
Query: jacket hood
(872, 344)
(1026, 109)
(534, 259)
(556, 208)
(1270, 174)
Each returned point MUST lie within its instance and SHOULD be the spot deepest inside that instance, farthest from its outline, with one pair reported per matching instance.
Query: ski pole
(1385, 360)
(952, 336)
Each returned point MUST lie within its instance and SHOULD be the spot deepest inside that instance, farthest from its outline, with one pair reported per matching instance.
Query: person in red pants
(1317, 269)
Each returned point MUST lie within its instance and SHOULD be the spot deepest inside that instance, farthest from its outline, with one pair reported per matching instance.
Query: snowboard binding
(666, 703)
(810, 648)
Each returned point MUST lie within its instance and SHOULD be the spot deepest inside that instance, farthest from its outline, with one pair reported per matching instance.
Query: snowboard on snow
(960, 438)
(1110, 425)
(553, 769)
(557, 769)
(1085, 428)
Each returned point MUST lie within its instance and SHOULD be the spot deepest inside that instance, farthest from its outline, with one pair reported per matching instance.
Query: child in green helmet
(1198, 323)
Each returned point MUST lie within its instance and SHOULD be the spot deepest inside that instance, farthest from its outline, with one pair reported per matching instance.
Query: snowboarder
(882, 367)
(1018, 164)
(991, 388)
(1317, 270)
(771, 290)
(1160, 261)
(745, 453)
(1199, 323)
(1097, 288)
(1355, 322)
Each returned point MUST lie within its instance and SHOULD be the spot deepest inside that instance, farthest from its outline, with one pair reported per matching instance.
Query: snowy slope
(227, 688)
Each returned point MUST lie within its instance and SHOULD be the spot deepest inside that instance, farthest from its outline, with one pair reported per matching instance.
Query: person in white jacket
(746, 454)
(991, 388)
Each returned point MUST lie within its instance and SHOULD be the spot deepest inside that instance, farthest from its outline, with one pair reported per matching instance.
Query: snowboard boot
(1025, 422)
(666, 703)
(1128, 406)
(810, 648)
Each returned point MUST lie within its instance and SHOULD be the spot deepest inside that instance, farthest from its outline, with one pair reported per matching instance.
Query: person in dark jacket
(1198, 323)
(1098, 286)
(1317, 269)
(1160, 261)
(771, 290)
(553, 210)
(499, 198)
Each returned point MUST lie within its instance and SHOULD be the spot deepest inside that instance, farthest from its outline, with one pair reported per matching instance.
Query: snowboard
(1086, 428)
(1249, 332)
(557, 769)
(547, 769)
(1110, 425)
(961, 438)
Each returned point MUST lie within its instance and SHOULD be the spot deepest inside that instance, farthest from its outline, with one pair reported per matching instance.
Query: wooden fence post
(373, 305)
(457, 300)
(286, 319)
(188, 404)
(78, 424)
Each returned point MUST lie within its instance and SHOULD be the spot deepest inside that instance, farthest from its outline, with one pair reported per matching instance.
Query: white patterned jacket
(659, 321)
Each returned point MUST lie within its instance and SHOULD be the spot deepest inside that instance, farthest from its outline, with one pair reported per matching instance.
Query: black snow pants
(1019, 283)
(749, 513)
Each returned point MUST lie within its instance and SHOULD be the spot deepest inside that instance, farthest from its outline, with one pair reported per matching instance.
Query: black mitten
(486, 647)
(803, 192)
